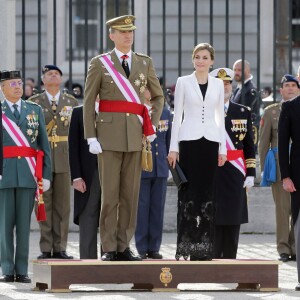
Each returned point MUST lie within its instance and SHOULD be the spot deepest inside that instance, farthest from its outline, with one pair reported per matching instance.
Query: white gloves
(94, 146)
(249, 182)
(0, 177)
(46, 185)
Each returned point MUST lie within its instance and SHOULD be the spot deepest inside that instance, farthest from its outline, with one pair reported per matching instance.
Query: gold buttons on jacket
(127, 114)
(19, 157)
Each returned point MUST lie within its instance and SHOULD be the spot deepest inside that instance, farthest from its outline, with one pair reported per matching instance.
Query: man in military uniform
(288, 152)
(120, 78)
(26, 162)
(268, 151)
(236, 175)
(152, 196)
(57, 108)
(1, 144)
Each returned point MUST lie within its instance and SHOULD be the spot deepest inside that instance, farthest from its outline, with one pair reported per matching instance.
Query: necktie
(54, 105)
(16, 112)
(225, 109)
(125, 65)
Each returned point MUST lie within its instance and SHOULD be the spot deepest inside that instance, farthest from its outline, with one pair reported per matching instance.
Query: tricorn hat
(223, 74)
(51, 67)
(122, 23)
(8, 75)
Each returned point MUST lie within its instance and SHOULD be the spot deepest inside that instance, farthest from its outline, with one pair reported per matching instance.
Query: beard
(227, 96)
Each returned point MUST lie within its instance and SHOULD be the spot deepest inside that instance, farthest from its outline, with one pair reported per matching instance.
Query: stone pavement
(256, 246)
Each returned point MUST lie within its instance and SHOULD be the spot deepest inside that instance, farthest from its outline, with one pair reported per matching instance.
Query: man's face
(289, 90)
(227, 89)
(12, 89)
(52, 78)
(122, 39)
(237, 69)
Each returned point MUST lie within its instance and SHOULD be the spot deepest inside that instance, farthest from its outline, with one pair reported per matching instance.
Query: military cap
(51, 67)
(290, 78)
(122, 23)
(223, 74)
(8, 75)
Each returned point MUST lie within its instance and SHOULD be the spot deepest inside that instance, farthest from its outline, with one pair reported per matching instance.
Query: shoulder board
(31, 102)
(271, 106)
(244, 106)
(69, 95)
(33, 97)
(141, 54)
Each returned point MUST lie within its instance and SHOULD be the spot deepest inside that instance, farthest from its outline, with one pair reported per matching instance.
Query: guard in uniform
(268, 151)
(1, 144)
(236, 175)
(120, 78)
(153, 189)
(26, 162)
(57, 108)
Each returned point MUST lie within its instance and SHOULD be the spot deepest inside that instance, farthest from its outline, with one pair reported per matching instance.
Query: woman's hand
(172, 158)
(221, 160)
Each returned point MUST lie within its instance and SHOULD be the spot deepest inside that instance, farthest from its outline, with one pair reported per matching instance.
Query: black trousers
(226, 241)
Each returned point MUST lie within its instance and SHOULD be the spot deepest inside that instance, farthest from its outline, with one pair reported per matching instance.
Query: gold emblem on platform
(165, 276)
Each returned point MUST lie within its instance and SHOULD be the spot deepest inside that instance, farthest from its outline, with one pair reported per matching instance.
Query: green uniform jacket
(60, 123)
(16, 172)
(268, 134)
(119, 131)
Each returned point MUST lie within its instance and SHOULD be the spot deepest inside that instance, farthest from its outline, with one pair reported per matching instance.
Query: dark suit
(148, 232)
(289, 159)
(83, 165)
(231, 198)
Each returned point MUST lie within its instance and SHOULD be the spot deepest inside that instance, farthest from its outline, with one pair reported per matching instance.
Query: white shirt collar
(50, 97)
(226, 104)
(119, 54)
(10, 104)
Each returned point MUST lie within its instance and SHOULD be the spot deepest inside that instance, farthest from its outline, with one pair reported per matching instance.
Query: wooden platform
(163, 275)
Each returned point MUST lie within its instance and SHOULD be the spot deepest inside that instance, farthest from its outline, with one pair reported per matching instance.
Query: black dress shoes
(23, 279)
(128, 255)
(284, 257)
(143, 255)
(297, 288)
(154, 255)
(44, 255)
(7, 278)
(61, 255)
(109, 256)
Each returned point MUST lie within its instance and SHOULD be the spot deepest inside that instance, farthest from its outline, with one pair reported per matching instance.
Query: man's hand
(46, 185)
(221, 160)
(79, 185)
(249, 182)
(288, 185)
(172, 158)
(94, 146)
(0, 177)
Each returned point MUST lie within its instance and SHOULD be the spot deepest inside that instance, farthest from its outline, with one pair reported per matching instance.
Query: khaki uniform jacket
(268, 134)
(119, 131)
(58, 124)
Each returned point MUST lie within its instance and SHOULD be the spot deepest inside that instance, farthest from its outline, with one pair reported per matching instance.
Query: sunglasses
(16, 84)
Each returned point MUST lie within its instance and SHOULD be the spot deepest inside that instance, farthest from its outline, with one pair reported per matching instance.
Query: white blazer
(200, 118)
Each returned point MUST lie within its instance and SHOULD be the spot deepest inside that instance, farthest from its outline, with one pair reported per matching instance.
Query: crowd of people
(117, 151)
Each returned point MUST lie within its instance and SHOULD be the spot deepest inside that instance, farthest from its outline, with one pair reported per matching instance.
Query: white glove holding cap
(249, 182)
(94, 146)
(46, 184)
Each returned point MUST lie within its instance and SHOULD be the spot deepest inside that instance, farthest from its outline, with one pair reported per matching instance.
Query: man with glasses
(57, 108)
(26, 162)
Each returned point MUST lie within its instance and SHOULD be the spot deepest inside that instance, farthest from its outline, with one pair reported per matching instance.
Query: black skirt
(195, 217)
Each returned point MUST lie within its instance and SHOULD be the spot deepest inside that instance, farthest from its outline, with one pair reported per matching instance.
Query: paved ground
(251, 246)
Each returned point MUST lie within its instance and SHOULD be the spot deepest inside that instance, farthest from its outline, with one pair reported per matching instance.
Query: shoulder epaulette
(244, 106)
(142, 54)
(70, 96)
(33, 97)
(31, 102)
(271, 106)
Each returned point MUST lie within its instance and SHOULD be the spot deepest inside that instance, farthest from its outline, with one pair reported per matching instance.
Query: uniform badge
(242, 109)
(65, 115)
(163, 125)
(32, 126)
(141, 82)
(166, 276)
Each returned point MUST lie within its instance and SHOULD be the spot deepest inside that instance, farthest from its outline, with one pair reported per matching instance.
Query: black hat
(290, 78)
(8, 75)
(51, 67)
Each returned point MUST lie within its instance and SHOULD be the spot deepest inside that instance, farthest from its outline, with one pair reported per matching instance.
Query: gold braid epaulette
(250, 163)
(50, 126)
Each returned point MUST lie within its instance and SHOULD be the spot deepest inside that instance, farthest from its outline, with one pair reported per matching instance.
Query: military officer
(25, 143)
(152, 196)
(1, 144)
(120, 78)
(236, 175)
(268, 143)
(57, 108)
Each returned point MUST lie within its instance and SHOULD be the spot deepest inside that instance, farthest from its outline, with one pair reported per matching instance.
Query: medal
(66, 123)
(62, 119)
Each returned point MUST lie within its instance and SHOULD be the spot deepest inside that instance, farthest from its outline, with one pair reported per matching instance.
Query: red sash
(235, 154)
(129, 107)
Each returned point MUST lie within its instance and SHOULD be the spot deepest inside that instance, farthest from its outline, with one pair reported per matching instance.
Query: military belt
(56, 139)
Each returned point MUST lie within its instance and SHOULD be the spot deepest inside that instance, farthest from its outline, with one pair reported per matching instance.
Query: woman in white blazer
(198, 143)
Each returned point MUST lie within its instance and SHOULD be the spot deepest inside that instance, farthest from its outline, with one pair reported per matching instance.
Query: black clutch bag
(178, 176)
